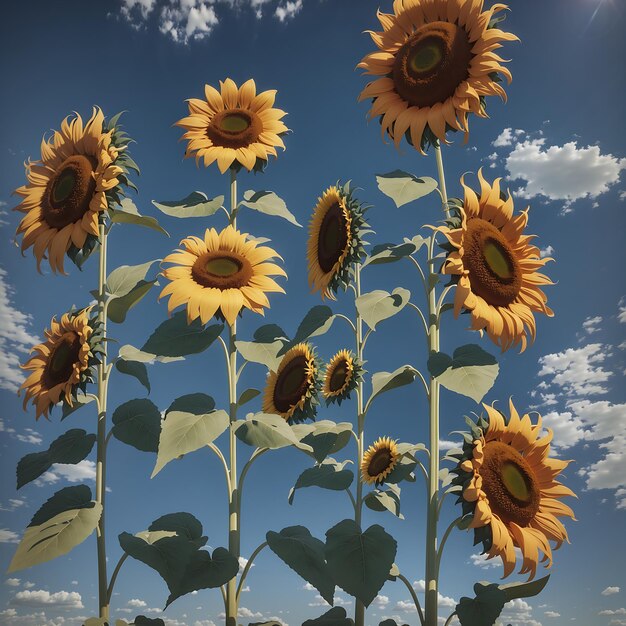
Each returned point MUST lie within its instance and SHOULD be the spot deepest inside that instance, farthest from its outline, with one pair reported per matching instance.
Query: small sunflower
(291, 391)
(235, 127)
(335, 242)
(495, 266)
(379, 460)
(343, 374)
(80, 175)
(509, 486)
(437, 64)
(63, 363)
(220, 274)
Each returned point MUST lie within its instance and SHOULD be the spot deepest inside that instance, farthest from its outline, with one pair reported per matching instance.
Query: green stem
(449, 619)
(444, 539)
(442, 179)
(413, 596)
(246, 569)
(116, 571)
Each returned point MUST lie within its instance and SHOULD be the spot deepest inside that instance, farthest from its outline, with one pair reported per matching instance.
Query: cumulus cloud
(8, 536)
(506, 138)
(592, 324)
(547, 251)
(42, 598)
(609, 591)
(85, 470)
(288, 10)
(186, 20)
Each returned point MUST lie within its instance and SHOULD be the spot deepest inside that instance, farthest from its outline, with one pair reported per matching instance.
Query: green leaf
(126, 213)
(325, 437)
(122, 280)
(265, 430)
(70, 448)
(57, 527)
(175, 337)
(263, 353)
(196, 204)
(328, 475)
(385, 381)
(304, 554)
(183, 524)
(140, 620)
(470, 372)
(269, 333)
(316, 322)
(130, 353)
(524, 590)
(391, 252)
(136, 369)
(403, 187)
(247, 395)
(79, 402)
(184, 432)
(138, 424)
(359, 562)
(196, 403)
(118, 307)
(384, 500)
(379, 305)
(269, 203)
(335, 617)
(484, 609)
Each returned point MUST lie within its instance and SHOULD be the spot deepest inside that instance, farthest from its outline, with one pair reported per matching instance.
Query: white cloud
(15, 337)
(204, 622)
(12, 582)
(380, 601)
(288, 10)
(591, 324)
(505, 138)
(621, 611)
(8, 536)
(444, 444)
(135, 602)
(621, 316)
(42, 598)
(85, 470)
(141, 7)
(13, 504)
(185, 20)
(609, 591)
(547, 251)
(552, 614)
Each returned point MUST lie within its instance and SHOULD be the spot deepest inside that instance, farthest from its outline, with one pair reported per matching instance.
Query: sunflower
(236, 127)
(379, 460)
(79, 176)
(64, 362)
(509, 486)
(335, 243)
(437, 64)
(220, 274)
(343, 374)
(495, 266)
(291, 391)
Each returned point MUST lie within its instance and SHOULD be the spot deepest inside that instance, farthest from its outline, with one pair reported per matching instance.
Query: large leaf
(385, 381)
(136, 369)
(360, 561)
(196, 204)
(249, 394)
(184, 432)
(470, 371)
(196, 403)
(118, 307)
(336, 616)
(141, 620)
(384, 500)
(138, 424)
(79, 402)
(265, 430)
(403, 187)
(379, 305)
(269, 203)
(70, 448)
(316, 322)
(328, 475)
(304, 554)
(484, 609)
(390, 252)
(64, 521)
(175, 337)
(122, 280)
(261, 352)
(325, 437)
(130, 353)
(524, 590)
(127, 213)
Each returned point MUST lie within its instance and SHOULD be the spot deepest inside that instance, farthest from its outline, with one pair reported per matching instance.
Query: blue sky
(559, 143)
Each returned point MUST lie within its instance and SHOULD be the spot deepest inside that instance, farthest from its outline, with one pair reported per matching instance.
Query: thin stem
(444, 539)
(352, 500)
(420, 270)
(421, 315)
(444, 293)
(243, 365)
(220, 456)
(424, 472)
(255, 455)
(223, 590)
(347, 319)
(93, 396)
(367, 334)
(450, 619)
(424, 383)
(116, 571)
(413, 596)
(442, 179)
(226, 353)
(246, 569)
(225, 211)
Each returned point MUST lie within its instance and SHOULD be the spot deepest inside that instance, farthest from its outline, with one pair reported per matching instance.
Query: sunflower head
(495, 267)
(436, 63)
(220, 275)
(81, 174)
(343, 374)
(234, 126)
(292, 390)
(64, 363)
(510, 489)
(335, 242)
(379, 460)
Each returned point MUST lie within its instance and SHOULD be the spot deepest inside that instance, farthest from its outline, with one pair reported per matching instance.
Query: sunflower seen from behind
(235, 126)
(292, 390)
(379, 461)
(335, 240)
(63, 363)
(221, 274)
(436, 63)
(342, 375)
(78, 178)
(495, 267)
(510, 487)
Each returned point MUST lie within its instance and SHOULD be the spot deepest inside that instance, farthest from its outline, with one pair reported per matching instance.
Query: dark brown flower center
(291, 384)
(332, 238)
(234, 128)
(432, 63)
(69, 191)
(339, 376)
(222, 270)
(510, 484)
(62, 359)
(494, 272)
(380, 462)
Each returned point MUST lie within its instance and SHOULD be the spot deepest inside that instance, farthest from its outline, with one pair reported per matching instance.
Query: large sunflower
(379, 460)
(495, 266)
(291, 391)
(221, 273)
(509, 486)
(77, 179)
(342, 375)
(235, 127)
(335, 242)
(63, 363)
(437, 64)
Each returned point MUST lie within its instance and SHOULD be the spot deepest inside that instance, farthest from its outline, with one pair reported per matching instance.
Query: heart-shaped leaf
(403, 187)
(196, 204)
